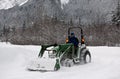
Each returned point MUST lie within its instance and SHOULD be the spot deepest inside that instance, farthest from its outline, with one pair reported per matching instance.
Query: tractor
(53, 57)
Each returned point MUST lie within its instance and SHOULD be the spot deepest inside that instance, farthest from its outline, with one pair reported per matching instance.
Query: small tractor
(53, 57)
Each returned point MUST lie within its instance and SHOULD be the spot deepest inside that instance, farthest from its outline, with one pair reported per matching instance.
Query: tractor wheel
(87, 57)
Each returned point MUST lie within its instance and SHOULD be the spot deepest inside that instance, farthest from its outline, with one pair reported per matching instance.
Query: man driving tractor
(74, 40)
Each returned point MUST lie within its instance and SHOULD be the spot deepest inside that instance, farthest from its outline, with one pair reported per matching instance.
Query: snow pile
(13, 60)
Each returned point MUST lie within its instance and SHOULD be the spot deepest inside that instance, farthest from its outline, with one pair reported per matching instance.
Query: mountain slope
(32, 11)
(87, 11)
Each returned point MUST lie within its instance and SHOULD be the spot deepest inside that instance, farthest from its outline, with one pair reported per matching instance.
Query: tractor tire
(87, 57)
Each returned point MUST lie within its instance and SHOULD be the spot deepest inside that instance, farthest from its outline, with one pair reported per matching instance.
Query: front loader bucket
(42, 64)
(45, 63)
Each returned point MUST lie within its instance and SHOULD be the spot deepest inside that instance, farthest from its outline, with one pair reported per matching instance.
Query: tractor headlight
(83, 40)
(67, 40)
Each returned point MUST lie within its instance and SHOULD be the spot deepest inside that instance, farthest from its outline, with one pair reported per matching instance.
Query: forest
(36, 23)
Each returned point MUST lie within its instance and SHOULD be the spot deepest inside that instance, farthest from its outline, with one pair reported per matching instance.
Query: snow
(14, 58)
(64, 2)
(6, 4)
(23, 2)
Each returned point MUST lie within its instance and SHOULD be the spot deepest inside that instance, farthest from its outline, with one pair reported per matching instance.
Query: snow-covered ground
(13, 60)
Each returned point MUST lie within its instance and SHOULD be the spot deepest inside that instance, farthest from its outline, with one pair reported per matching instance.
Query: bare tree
(116, 15)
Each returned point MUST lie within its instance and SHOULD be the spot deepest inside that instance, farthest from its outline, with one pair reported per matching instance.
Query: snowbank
(13, 60)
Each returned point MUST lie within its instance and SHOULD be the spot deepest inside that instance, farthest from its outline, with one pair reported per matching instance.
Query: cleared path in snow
(13, 60)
